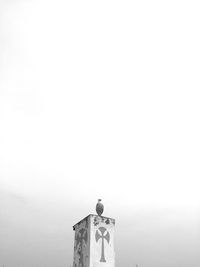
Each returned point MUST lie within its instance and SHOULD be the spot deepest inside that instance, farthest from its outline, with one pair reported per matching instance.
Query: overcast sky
(100, 99)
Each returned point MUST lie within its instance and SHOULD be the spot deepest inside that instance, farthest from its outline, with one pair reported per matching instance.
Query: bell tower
(94, 240)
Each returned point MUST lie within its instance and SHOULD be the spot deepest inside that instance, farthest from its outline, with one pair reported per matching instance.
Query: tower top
(94, 242)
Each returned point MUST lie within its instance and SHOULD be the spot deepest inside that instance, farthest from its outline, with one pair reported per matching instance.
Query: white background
(100, 99)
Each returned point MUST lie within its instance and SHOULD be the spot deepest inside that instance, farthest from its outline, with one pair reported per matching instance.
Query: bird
(99, 207)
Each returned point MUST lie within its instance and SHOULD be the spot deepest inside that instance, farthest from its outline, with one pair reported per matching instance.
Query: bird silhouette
(99, 207)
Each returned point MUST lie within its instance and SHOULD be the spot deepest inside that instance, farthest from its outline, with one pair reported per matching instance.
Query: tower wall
(94, 242)
(82, 243)
(102, 227)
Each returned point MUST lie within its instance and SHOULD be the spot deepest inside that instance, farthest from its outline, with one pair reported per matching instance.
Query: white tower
(94, 241)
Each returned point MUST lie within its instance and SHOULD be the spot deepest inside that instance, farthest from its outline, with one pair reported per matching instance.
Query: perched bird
(99, 207)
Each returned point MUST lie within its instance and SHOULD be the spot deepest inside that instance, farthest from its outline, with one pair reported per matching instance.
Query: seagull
(99, 207)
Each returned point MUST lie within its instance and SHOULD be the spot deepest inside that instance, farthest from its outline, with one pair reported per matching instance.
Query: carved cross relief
(103, 234)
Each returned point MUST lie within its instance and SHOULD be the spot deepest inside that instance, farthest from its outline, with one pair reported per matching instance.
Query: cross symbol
(103, 236)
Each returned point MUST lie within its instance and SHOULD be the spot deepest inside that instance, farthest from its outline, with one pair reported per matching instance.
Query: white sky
(99, 99)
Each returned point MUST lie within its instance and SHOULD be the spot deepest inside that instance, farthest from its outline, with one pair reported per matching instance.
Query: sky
(100, 99)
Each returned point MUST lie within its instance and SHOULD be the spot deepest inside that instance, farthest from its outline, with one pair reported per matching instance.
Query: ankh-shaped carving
(104, 235)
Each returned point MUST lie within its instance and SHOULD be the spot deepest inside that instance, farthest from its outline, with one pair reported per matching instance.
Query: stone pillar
(94, 242)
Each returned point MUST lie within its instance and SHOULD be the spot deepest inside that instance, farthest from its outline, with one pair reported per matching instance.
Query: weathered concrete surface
(81, 243)
(94, 242)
